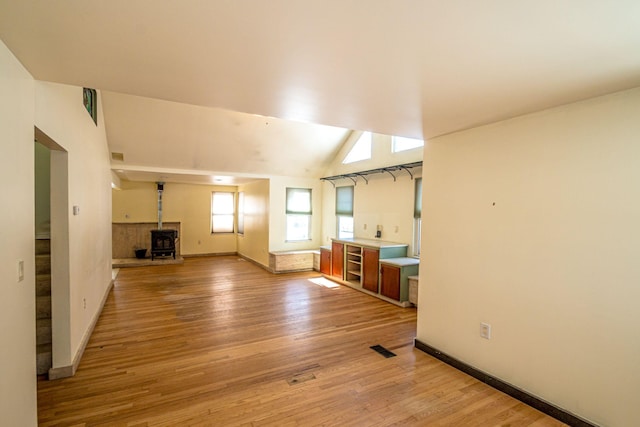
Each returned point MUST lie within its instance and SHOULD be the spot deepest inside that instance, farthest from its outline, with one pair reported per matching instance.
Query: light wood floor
(221, 342)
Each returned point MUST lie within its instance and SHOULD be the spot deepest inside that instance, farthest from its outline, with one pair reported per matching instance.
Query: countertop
(371, 243)
(400, 262)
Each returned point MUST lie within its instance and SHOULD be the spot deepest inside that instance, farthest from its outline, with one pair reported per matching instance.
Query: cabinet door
(390, 281)
(337, 260)
(370, 269)
(325, 261)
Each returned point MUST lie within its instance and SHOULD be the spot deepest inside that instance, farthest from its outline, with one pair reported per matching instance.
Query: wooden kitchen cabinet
(325, 261)
(390, 281)
(370, 259)
(394, 277)
(337, 260)
(358, 263)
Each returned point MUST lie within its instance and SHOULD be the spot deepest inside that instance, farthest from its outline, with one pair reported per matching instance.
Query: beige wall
(532, 225)
(77, 299)
(382, 201)
(17, 299)
(189, 204)
(254, 243)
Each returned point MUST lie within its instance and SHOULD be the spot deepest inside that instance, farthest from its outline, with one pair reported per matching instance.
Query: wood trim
(208, 255)
(70, 370)
(515, 392)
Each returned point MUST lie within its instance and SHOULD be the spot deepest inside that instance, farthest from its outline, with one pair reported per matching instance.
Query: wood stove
(163, 243)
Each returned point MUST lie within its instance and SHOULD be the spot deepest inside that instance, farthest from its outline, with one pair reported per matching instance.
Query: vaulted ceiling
(191, 80)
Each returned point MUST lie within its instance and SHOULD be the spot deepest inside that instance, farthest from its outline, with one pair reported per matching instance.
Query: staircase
(43, 306)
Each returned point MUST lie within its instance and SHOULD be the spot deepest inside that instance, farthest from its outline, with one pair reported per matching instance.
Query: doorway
(52, 254)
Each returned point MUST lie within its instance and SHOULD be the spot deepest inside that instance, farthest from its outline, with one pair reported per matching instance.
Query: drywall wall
(382, 201)
(387, 203)
(381, 155)
(189, 204)
(278, 218)
(532, 225)
(17, 298)
(254, 243)
(83, 152)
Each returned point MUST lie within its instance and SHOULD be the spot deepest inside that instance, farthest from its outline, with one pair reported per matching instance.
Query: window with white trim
(298, 212)
(222, 212)
(400, 143)
(241, 212)
(361, 150)
(344, 212)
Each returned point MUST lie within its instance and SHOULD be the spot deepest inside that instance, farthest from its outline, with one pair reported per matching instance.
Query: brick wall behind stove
(129, 236)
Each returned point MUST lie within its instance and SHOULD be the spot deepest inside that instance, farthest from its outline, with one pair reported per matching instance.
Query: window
(361, 150)
(417, 218)
(222, 212)
(400, 143)
(241, 212)
(298, 214)
(344, 211)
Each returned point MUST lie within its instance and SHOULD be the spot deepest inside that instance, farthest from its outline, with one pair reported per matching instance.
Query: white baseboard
(70, 370)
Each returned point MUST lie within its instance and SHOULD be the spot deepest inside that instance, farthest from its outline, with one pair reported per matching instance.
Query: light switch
(76, 210)
(20, 270)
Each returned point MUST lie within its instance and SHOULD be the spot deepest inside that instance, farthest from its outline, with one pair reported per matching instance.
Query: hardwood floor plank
(217, 341)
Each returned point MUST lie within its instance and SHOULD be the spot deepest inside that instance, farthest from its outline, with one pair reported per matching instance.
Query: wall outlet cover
(485, 330)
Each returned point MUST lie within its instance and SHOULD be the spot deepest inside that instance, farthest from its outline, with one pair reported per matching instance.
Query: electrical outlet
(84, 303)
(485, 330)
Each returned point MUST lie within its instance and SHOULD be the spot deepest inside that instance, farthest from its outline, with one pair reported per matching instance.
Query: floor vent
(300, 378)
(383, 351)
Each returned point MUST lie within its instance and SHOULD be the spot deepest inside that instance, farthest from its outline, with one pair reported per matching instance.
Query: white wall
(382, 201)
(533, 225)
(278, 218)
(17, 299)
(61, 115)
(254, 243)
(381, 155)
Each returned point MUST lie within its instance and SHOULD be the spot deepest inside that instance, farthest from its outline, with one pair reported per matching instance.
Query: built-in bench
(287, 261)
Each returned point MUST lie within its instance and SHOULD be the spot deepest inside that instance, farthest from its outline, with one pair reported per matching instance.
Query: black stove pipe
(160, 190)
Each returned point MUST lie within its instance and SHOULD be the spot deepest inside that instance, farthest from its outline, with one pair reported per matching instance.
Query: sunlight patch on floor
(321, 281)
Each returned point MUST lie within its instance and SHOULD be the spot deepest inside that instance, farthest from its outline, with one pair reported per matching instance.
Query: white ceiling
(163, 136)
(416, 68)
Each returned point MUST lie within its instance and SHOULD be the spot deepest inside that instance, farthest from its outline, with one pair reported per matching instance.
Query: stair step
(43, 285)
(43, 359)
(43, 264)
(43, 331)
(43, 246)
(43, 307)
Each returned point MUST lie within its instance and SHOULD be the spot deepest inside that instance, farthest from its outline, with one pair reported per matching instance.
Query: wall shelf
(408, 167)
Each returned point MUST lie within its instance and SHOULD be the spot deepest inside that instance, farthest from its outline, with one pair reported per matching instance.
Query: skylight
(400, 143)
(361, 149)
